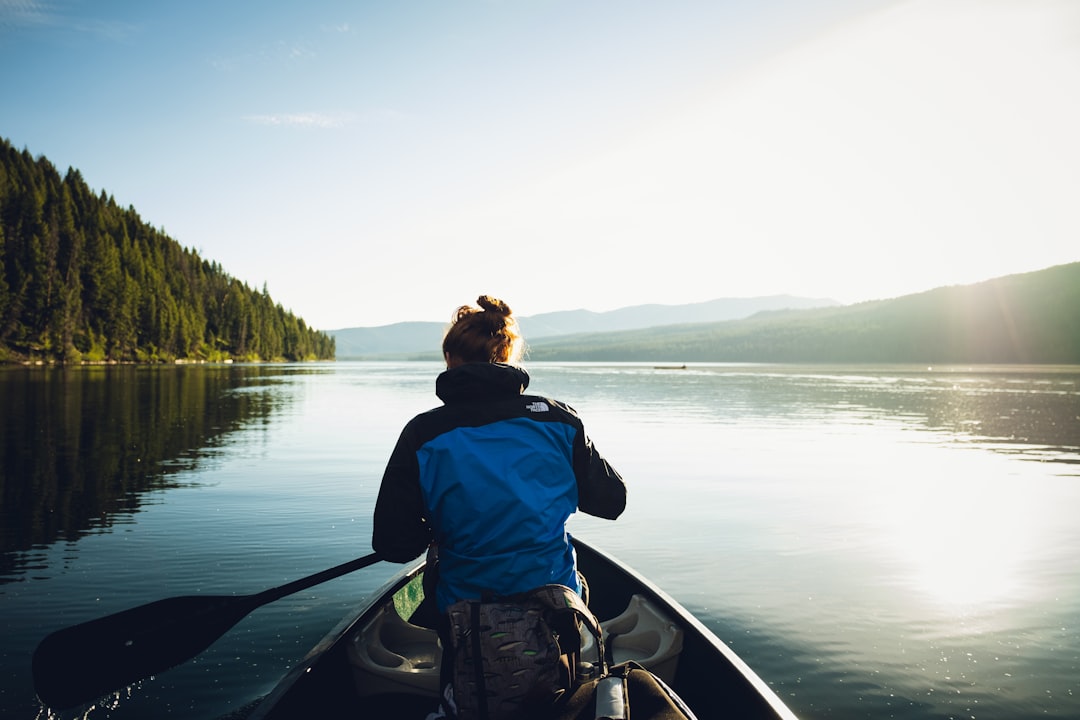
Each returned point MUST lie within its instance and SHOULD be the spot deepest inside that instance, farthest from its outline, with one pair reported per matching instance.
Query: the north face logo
(538, 406)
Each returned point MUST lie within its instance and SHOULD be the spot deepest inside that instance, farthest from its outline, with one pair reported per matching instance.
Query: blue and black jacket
(491, 477)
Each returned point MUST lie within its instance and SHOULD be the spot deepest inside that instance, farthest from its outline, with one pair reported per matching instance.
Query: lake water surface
(874, 541)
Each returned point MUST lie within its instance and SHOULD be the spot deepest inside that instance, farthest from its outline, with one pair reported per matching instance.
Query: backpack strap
(560, 598)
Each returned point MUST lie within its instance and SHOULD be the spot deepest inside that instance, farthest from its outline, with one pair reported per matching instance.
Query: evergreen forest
(84, 280)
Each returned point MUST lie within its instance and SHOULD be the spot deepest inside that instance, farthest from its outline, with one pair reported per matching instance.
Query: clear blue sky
(373, 162)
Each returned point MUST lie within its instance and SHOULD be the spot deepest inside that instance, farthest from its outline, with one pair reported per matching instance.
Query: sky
(385, 161)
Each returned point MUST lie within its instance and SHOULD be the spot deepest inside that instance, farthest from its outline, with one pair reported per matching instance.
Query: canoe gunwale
(343, 629)
(691, 624)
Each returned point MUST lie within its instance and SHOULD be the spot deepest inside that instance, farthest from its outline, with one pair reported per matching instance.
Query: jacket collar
(480, 380)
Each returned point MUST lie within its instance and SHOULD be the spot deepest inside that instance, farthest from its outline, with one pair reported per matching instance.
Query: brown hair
(488, 333)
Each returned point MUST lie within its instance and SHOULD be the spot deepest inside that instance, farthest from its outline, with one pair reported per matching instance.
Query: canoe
(376, 664)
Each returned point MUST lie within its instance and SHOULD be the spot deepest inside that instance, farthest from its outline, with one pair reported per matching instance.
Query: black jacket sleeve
(601, 490)
(401, 531)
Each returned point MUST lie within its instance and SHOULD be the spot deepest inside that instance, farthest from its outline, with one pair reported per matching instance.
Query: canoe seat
(643, 634)
(390, 654)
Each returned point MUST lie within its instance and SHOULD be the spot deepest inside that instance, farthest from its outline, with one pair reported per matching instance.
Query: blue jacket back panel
(492, 477)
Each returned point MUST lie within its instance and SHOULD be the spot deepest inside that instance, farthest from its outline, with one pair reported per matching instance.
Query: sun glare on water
(963, 530)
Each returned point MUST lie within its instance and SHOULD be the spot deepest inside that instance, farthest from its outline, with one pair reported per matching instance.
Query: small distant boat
(669, 367)
(378, 664)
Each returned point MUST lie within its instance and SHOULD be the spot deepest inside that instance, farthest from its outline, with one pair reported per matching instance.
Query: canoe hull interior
(378, 665)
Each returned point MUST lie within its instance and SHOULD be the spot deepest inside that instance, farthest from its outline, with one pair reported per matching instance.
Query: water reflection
(1028, 410)
(81, 448)
(962, 529)
(874, 541)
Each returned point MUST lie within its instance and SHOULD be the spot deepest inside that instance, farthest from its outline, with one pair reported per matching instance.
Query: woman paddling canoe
(487, 481)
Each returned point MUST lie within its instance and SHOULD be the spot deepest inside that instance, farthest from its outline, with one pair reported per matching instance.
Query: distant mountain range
(1025, 318)
(1017, 319)
(409, 339)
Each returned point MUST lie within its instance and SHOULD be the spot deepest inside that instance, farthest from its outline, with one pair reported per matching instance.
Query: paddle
(81, 663)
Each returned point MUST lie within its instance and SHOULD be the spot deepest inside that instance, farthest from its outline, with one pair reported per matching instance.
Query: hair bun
(494, 305)
(485, 334)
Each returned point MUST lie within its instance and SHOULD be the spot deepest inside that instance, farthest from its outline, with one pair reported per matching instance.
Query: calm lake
(875, 541)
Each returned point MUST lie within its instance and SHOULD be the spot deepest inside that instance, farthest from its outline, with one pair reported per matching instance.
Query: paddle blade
(82, 663)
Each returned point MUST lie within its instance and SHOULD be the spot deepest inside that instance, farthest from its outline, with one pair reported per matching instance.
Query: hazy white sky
(373, 162)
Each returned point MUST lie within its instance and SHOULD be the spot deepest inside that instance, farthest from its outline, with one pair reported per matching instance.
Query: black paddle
(84, 662)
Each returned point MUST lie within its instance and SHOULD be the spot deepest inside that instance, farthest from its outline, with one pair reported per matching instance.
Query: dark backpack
(518, 655)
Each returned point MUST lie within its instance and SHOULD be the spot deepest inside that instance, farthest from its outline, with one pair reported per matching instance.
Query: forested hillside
(84, 280)
(1025, 318)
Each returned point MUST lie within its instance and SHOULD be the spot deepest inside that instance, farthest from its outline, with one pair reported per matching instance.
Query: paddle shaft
(81, 663)
(267, 596)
